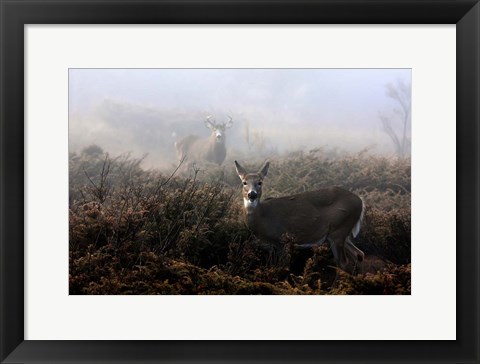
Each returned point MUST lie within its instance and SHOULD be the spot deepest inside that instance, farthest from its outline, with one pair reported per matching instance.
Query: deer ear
(264, 170)
(240, 170)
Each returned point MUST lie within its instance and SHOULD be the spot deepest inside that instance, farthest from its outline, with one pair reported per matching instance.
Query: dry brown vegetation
(134, 231)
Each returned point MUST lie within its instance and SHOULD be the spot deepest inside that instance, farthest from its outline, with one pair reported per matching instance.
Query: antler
(229, 123)
(210, 123)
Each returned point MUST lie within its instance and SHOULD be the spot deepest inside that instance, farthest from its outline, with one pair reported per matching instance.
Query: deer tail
(356, 228)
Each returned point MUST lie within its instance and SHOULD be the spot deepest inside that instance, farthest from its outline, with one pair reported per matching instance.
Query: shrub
(134, 231)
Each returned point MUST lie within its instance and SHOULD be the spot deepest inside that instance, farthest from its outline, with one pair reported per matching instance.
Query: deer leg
(355, 254)
(352, 249)
(336, 255)
(338, 249)
(337, 245)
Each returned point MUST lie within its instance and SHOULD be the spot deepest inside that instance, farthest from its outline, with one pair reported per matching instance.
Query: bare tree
(397, 124)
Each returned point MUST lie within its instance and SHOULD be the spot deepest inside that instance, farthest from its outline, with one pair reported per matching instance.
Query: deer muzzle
(252, 195)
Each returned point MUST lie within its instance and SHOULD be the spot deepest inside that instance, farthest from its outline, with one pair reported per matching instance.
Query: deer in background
(331, 214)
(193, 148)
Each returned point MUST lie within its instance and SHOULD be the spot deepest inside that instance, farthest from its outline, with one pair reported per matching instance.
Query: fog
(144, 111)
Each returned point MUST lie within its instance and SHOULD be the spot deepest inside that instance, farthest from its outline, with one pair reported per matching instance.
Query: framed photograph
(239, 181)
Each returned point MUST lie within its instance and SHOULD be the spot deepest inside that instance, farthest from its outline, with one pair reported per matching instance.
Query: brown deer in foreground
(331, 214)
(193, 148)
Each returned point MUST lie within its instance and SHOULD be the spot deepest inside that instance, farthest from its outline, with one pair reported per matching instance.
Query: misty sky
(141, 110)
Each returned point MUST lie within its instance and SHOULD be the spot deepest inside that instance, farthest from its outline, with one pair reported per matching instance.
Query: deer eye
(244, 183)
(260, 183)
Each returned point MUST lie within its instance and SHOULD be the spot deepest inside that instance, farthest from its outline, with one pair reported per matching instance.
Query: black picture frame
(15, 14)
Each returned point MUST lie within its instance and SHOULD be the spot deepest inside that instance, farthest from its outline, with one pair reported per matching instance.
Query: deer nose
(252, 195)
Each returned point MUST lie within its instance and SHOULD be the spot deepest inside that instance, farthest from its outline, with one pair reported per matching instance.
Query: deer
(331, 214)
(210, 149)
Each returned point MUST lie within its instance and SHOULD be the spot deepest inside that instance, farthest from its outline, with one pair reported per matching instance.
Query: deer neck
(255, 219)
(251, 209)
